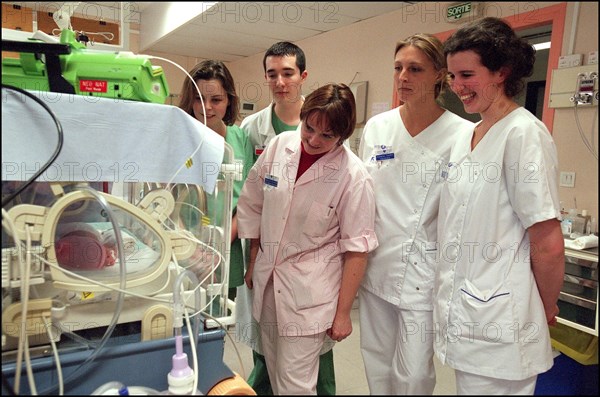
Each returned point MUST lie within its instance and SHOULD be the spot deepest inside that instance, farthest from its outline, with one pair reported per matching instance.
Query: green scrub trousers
(260, 382)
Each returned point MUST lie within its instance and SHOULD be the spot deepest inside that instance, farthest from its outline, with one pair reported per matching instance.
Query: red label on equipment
(93, 85)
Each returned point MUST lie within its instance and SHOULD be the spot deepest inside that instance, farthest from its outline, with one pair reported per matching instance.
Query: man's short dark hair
(285, 48)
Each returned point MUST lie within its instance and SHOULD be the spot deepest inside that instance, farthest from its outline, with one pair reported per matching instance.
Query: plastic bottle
(181, 377)
(566, 225)
(577, 222)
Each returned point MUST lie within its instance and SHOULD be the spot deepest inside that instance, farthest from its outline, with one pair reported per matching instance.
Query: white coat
(406, 175)
(305, 227)
(259, 128)
(488, 312)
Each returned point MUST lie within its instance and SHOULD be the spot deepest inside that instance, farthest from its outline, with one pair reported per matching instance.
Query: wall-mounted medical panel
(576, 85)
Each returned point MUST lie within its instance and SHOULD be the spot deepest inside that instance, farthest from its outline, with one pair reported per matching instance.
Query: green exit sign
(457, 11)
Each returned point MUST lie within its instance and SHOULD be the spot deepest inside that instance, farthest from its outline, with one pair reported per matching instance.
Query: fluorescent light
(542, 46)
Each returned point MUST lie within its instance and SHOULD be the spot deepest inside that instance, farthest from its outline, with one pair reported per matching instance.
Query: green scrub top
(243, 153)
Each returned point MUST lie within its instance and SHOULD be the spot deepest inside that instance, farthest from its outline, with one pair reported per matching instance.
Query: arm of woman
(548, 263)
(254, 245)
(234, 228)
(355, 264)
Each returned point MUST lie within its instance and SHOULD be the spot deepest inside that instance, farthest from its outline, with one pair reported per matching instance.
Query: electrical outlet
(593, 58)
(567, 179)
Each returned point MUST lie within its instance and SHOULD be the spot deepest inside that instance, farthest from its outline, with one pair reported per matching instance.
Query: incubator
(92, 257)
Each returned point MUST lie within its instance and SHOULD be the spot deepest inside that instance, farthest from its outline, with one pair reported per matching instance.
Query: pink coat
(304, 228)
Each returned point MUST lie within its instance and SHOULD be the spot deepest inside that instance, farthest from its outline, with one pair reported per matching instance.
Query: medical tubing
(12, 228)
(94, 282)
(178, 305)
(61, 383)
(185, 234)
(201, 102)
(120, 297)
(25, 285)
(590, 146)
(224, 327)
(57, 151)
(13, 231)
(30, 376)
(24, 271)
(188, 75)
(194, 348)
(179, 377)
(575, 99)
(76, 338)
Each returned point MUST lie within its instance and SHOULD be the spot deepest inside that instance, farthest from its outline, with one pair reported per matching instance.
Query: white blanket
(106, 140)
(583, 242)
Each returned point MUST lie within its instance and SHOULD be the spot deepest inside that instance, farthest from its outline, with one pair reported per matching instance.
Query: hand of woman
(248, 276)
(341, 328)
(254, 247)
(551, 317)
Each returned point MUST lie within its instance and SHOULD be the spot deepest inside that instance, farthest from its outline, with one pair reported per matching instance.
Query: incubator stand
(118, 193)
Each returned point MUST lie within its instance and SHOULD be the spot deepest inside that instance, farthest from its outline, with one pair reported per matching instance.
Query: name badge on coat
(382, 153)
(271, 182)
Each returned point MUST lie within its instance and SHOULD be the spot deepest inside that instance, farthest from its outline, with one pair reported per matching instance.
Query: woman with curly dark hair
(501, 259)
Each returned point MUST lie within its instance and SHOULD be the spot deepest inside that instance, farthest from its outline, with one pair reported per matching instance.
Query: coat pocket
(318, 219)
(310, 287)
(487, 315)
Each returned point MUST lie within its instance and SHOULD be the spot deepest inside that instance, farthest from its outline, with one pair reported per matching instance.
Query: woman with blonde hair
(405, 150)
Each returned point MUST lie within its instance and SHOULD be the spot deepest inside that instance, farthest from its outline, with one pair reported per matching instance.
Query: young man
(285, 72)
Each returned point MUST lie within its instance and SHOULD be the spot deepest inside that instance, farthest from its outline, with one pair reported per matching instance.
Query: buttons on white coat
(453, 253)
